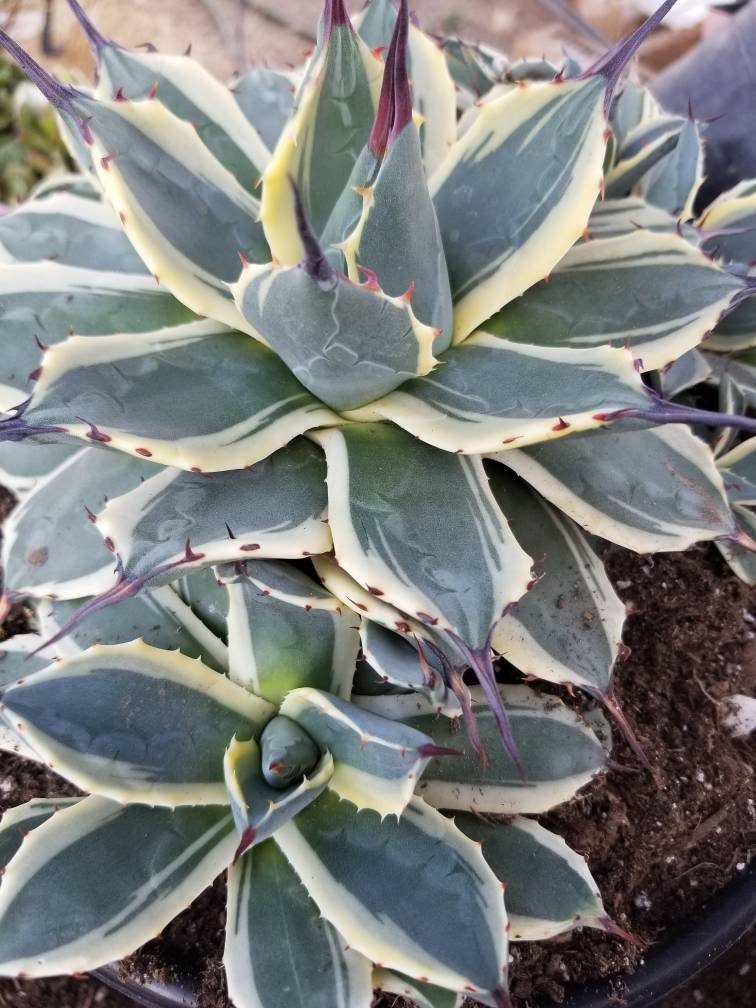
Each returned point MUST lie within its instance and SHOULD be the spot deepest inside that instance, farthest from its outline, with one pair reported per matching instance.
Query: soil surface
(659, 843)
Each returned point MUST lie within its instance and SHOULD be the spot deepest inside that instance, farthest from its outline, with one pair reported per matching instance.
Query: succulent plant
(343, 443)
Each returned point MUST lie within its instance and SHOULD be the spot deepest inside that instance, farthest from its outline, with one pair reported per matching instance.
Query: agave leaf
(333, 115)
(361, 601)
(127, 870)
(393, 536)
(186, 88)
(421, 994)
(276, 646)
(244, 404)
(613, 217)
(259, 810)
(269, 910)
(546, 140)
(568, 627)
(548, 887)
(474, 67)
(633, 106)
(283, 582)
(161, 178)
(206, 599)
(558, 751)
(732, 400)
(673, 182)
(738, 467)
(44, 302)
(737, 330)
(490, 393)
(643, 147)
(158, 617)
(50, 547)
(69, 230)
(412, 665)
(647, 490)
(181, 520)
(19, 658)
(266, 97)
(23, 464)
(146, 754)
(687, 371)
(740, 368)
(433, 90)
(330, 844)
(377, 762)
(18, 822)
(741, 559)
(322, 326)
(384, 222)
(731, 217)
(654, 293)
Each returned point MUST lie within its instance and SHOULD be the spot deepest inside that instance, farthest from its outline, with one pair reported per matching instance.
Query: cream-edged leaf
(654, 293)
(377, 761)
(421, 994)
(69, 230)
(154, 728)
(398, 889)
(127, 870)
(179, 520)
(516, 190)
(266, 97)
(568, 627)
(391, 500)
(276, 645)
(643, 147)
(191, 93)
(244, 403)
(490, 394)
(647, 490)
(558, 751)
(19, 821)
(323, 328)
(260, 810)
(50, 546)
(159, 617)
(44, 302)
(269, 911)
(186, 215)
(548, 888)
(333, 115)
(23, 463)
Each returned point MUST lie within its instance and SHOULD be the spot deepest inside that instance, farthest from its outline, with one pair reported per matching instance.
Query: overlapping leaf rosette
(316, 394)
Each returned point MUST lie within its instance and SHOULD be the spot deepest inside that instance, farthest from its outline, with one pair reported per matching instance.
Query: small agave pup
(322, 809)
(383, 431)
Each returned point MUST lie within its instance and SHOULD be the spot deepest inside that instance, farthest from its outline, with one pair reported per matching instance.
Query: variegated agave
(331, 401)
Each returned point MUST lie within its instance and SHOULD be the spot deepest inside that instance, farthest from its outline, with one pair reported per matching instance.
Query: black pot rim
(717, 926)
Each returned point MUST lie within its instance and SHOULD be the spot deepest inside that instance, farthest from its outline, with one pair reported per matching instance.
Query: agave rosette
(320, 367)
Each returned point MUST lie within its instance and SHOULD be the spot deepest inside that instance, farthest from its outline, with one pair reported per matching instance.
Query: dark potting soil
(658, 843)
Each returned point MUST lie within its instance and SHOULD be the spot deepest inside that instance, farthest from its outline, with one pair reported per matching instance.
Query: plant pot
(722, 922)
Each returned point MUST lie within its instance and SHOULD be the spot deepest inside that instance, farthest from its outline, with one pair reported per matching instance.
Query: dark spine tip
(59, 96)
(246, 841)
(97, 42)
(661, 411)
(335, 16)
(314, 263)
(428, 751)
(624, 726)
(395, 104)
(613, 63)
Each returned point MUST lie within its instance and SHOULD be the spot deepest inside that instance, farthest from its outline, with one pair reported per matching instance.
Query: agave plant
(375, 406)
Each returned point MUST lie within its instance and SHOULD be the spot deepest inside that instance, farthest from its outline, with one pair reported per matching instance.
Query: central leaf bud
(288, 752)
